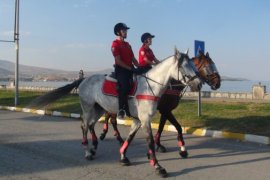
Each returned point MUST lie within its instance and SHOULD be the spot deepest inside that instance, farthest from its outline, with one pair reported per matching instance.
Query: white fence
(258, 92)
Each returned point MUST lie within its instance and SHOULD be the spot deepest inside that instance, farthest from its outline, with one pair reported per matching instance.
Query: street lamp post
(16, 40)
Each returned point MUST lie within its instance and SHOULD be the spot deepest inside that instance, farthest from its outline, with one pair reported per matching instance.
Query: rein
(180, 84)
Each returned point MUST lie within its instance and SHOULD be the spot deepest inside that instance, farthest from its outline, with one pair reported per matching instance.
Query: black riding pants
(124, 83)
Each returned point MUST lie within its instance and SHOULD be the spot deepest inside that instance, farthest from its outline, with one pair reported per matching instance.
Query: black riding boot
(126, 107)
(121, 102)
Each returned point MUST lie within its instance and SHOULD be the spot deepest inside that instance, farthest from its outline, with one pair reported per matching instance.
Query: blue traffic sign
(199, 46)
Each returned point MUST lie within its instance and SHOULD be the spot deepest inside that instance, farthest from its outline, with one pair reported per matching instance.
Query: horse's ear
(187, 51)
(175, 50)
(207, 55)
(200, 52)
(176, 53)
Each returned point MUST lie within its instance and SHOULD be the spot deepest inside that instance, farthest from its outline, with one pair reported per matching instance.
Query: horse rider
(146, 55)
(81, 74)
(124, 69)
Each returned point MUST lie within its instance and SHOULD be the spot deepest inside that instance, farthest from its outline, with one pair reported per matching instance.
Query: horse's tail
(54, 95)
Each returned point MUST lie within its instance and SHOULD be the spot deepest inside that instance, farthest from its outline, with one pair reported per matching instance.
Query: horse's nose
(217, 86)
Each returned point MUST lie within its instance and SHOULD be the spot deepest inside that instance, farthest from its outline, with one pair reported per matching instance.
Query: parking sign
(199, 46)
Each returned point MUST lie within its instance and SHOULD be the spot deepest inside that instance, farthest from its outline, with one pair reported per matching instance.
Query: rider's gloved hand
(136, 71)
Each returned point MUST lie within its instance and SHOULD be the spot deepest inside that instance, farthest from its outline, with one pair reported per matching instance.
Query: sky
(77, 34)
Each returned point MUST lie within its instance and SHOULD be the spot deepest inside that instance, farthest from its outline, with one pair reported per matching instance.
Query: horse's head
(207, 70)
(187, 71)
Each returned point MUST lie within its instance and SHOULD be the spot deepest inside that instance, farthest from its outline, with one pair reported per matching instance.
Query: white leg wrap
(183, 148)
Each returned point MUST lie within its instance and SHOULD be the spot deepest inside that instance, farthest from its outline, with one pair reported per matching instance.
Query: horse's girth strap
(172, 92)
(147, 97)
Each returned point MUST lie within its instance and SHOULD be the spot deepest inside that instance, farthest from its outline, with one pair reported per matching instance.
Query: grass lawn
(241, 117)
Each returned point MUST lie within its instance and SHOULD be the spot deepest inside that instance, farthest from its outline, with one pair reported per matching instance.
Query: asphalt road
(46, 147)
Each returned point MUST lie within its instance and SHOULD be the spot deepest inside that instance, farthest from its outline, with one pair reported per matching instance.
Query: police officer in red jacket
(124, 69)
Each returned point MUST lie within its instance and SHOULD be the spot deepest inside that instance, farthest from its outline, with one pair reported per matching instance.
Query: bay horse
(143, 104)
(170, 100)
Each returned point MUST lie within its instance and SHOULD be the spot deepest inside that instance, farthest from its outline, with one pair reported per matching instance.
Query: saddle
(109, 86)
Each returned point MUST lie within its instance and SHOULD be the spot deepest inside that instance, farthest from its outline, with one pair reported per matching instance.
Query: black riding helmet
(145, 36)
(119, 26)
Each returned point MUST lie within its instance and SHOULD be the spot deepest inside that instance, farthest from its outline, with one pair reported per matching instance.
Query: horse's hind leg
(105, 126)
(84, 127)
(90, 116)
(133, 130)
(93, 139)
(96, 113)
(116, 131)
(181, 143)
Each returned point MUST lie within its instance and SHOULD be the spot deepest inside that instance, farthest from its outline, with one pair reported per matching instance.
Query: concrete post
(258, 91)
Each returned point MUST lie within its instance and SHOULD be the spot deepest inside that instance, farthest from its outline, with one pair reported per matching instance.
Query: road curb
(171, 128)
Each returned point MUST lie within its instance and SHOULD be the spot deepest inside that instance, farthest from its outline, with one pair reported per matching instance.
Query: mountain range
(32, 73)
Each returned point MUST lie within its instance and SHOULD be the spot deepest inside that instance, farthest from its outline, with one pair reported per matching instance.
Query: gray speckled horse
(143, 104)
(170, 100)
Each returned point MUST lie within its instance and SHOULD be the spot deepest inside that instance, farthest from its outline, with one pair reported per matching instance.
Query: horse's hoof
(102, 136)
(161, 149)
(125, 162)
(183, 154)
(160, 171)
(89, 157)
(93, 152)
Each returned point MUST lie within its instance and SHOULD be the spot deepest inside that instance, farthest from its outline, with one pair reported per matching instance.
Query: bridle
(210, 70)
(187, 78)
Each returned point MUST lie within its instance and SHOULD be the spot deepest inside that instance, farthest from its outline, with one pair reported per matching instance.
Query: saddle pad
(109, 88)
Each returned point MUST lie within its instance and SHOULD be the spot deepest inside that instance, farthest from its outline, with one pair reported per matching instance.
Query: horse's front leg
(163, 119)
(181, 143)
(146, 126)
(133, 130)
(87, 155)
(116, 131)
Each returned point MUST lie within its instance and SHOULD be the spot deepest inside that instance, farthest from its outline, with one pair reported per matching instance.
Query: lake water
(238, 86)
(226, 86)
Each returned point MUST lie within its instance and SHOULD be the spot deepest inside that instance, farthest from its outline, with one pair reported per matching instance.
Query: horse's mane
(159, 64)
